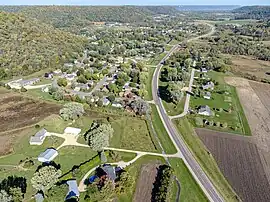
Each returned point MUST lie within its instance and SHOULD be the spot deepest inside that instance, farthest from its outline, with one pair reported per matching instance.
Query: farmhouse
(207, 96)
(39, 137)
(203, 70)
(117, 105)
(72, 131)
(205, 110)
(73, 191)
(208, 86)
(48, 155)
(105, 102)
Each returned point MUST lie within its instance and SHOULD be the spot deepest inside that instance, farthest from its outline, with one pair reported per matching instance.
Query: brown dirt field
(252, 66)
(17, 111)
(239, 160)
(145, 183)
(256, 112)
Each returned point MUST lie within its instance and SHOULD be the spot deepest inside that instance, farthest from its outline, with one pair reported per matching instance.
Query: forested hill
(253, 12)
(74, 16)
(28, 46)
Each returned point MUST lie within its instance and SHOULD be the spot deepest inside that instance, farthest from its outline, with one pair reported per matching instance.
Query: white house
(48, 155)
(39, 137)
(209, 85)
(207, 96)
(72, 131)
(105, 102)
(205, 110)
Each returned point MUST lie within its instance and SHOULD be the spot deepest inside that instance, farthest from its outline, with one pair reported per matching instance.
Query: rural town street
(193, 166)
(186, 107)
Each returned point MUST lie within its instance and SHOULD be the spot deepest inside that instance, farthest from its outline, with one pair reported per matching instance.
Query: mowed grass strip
(151, 70)
(205, 159)
(190, 190)
(161, 132)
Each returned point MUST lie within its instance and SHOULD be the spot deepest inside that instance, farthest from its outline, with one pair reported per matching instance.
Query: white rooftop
(71, 130)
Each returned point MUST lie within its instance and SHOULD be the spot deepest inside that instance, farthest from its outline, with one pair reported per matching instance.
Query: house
(105, 102)
(105, 89)
(39, 197)
(73, 191)
(90, 83)
(81, 86)
(48, 155)
(205, 110)
(48, 75)
(207, 96)
(57, 72)
(73, 131)
(110, 171)
(203, 70)
(70, 77)
(22, 83)
(39, 137)
(208, 86)
(117, 105)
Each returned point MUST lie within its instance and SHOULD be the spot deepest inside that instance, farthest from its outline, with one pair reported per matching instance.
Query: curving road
(193, 166)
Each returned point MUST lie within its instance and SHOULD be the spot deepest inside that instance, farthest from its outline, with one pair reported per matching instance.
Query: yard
(225, 105)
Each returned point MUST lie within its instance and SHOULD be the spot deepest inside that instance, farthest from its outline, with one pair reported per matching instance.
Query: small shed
(73, 131)
(48, 155)
(73, 191)
(105, 102)
(207, 96)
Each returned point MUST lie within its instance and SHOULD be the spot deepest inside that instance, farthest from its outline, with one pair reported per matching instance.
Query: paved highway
(193, 166)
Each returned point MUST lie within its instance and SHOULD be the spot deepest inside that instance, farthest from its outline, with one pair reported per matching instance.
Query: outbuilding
(48, 155)
(72, 131)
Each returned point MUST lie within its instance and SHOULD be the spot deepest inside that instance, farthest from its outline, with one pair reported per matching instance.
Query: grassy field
(156, 60)
(161, 132)
(238, 22)
(133, 133)
(149, 83)
(231, 113)
(205, 159)
(190, 190)
(174, 109)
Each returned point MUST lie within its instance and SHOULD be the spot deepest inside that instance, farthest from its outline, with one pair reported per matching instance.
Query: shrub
(23, 89)
(198, 121)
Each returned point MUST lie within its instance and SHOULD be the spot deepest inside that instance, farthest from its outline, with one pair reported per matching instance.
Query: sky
(134, 2)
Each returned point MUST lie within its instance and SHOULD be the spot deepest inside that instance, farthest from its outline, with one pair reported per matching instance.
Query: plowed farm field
(145, 183)
(18, 112)
(239, 160)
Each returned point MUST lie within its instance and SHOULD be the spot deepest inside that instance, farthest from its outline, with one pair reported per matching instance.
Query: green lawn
(190, 190)
(205, 159)
(235, 119)
(133, 133)
(161, 131)
(151, 71)
(174, 109)
(156, 60)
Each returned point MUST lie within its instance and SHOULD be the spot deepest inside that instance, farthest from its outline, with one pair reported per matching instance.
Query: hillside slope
(28, 46)
(253, 12)
(79, 16)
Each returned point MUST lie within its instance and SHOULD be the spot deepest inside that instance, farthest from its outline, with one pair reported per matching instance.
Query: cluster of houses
(49, 155)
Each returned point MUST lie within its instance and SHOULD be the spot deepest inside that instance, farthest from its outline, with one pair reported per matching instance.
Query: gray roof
(29, 81)
(209, 84)
(36, 139)
(48, 153)
(41, 133)
(73, 190)
(204, 108)
(110, 171)
(39, 197)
